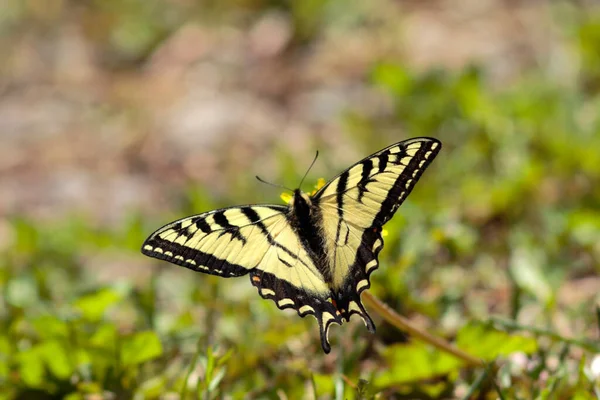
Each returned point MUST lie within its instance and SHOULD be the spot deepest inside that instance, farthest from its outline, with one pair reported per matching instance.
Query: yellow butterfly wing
(354, 207)
(255, 240)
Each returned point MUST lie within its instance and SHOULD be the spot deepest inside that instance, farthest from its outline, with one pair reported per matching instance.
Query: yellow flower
(320, 183)
(286, 197)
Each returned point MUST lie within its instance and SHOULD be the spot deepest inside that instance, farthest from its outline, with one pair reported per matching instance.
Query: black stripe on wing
(348, 297)
(285, 295)
(394, 155)
(193, 259)
(221, 219)
(180, 242)
(407, 180)
(409, 158)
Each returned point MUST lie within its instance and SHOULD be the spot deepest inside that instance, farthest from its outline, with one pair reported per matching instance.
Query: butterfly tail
(349, 303)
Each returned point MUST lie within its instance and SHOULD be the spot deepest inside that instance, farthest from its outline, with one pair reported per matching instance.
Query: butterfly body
(305, 217)
(314, 255)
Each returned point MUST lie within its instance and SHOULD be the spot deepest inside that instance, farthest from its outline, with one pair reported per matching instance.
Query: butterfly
(314, 255)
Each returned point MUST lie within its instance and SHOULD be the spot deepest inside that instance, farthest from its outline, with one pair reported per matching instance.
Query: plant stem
(405, 325)
(183, 393)
(339, 382)
(476, 385)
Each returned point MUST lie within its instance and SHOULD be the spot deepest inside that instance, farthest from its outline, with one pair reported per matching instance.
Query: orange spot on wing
(337, 312)
(255, 279)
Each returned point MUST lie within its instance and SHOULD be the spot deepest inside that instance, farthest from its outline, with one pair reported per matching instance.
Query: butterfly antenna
(272, 184)
(309, 168)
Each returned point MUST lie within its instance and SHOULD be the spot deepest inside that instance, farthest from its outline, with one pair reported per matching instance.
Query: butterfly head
(300, 201)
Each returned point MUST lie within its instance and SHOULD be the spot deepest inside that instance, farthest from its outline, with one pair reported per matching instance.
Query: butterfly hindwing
(357, 203)
(304, 297)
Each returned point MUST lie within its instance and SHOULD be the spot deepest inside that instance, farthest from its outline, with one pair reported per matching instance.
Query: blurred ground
(100, 115)
(119, 116)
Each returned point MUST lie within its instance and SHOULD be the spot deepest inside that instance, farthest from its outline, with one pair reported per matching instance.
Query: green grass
(505, 220)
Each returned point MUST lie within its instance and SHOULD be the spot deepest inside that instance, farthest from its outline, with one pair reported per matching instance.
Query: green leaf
(27, 236)
(22, 292)
(139, 348)
(364, 390)
(583, 394)
(434, 390)
(209, 366)
(89, 387)
(525, 268)
(4, 345)
(4, 358)
(392, 77)
(225, 357)
(323, 384)
(488, 343)
(105, 336)
(152, 388)
(216, 379)
(55, 355)
(49, 326)
(413, 362)
(31, 367)
(94, 305)
(135, 233)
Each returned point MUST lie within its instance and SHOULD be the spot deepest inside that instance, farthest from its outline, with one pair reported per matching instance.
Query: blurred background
(117, 117)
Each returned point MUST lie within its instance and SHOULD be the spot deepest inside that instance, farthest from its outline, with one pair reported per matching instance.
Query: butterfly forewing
(354, 207)
(226, 242)
(250, 239)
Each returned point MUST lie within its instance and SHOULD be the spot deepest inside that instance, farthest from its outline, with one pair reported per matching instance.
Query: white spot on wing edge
(326, 317)
(179, 257)
(267, 292)
(370, 265)
(434, 145)
(168, 254)
(362, 283)
(305, 309)
(189, 260)
(377, 245)
(352, 306)
(148, 247)
(285, 302)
